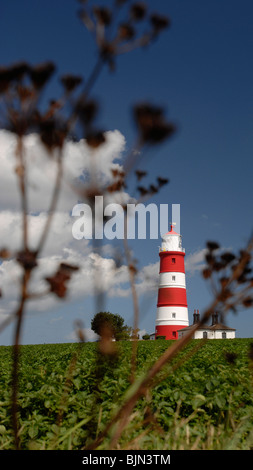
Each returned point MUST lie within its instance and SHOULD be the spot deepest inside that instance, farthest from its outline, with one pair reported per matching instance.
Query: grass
(69, 392)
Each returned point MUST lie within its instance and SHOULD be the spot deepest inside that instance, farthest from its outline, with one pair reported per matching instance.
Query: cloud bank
(79, 162)
(96, 268)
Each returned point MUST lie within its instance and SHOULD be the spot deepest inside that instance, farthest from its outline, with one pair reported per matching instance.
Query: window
(224, 335)
(173, 260)
(173, 315)
(174, 334)
(173, 278)
(205, 334)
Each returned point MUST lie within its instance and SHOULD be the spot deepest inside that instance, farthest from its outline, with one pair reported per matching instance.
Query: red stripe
(169, 331)
(174, 296)
(171, 261)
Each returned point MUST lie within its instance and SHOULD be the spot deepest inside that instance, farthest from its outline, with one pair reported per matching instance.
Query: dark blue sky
(201, 71)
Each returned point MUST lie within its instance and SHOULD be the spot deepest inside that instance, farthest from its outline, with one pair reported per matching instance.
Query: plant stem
(15, 367)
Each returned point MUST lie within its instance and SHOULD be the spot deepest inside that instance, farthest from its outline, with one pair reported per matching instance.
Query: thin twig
(21, 172)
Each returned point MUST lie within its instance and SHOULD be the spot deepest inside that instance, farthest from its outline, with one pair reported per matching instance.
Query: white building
(216, 330)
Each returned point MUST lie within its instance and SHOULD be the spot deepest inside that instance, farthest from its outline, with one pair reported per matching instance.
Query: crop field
(69, 392)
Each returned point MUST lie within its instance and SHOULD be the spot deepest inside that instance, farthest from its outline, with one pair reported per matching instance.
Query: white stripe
(172, 316)
(172, 279)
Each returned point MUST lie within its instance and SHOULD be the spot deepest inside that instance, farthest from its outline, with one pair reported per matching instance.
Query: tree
(114, 321)
(146, 336)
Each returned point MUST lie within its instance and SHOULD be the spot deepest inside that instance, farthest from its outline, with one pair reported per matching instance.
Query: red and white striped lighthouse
(172, 311)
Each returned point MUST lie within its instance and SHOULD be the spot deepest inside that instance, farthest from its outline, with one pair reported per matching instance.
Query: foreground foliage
(69, 392)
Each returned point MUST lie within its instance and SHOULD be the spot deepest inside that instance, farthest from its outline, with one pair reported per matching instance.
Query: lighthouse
(172, 311)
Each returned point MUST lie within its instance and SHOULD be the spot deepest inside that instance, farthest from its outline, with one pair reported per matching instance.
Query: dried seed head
(58, 281)
(70, 82)
(5, 79)
(225, 295)
(132, 268)
(206, 273)
(41, 73)
(27, 259)
(218, 266)
(210, 259)
(67, 267)
(248, 302)
(153, 189)
(18, 70)
(95, 139)
(224, 281)
(151, 123)
(52, 134)
(162, 181)
(116, 186)
(103, 15)
(5, 253)
(227, 257)
(159, 22)
(107, 50)
(126, 31)
(212, 246)
(13, 73)
(143, 191)
(140, 174)
(138, 11)
(57, 285)
(86, 111)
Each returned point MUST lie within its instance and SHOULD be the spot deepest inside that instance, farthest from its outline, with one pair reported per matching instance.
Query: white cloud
(148, 278)
(78, 160)
(195, 262)
(88, 333)
(95, 272)
(59, 236)
(41, 171)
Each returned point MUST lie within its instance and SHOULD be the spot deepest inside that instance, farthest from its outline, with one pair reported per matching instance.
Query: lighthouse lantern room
(172, 310)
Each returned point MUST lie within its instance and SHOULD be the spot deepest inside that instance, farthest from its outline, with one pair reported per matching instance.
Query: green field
(68, 392)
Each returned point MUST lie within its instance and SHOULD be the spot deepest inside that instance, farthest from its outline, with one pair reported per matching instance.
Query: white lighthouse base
(169, 320)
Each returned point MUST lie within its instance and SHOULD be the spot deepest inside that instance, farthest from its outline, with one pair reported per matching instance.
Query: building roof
(217, 326)
(220, 326)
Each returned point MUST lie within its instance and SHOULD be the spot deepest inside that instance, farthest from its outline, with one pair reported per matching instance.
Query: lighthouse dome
(172, 241)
